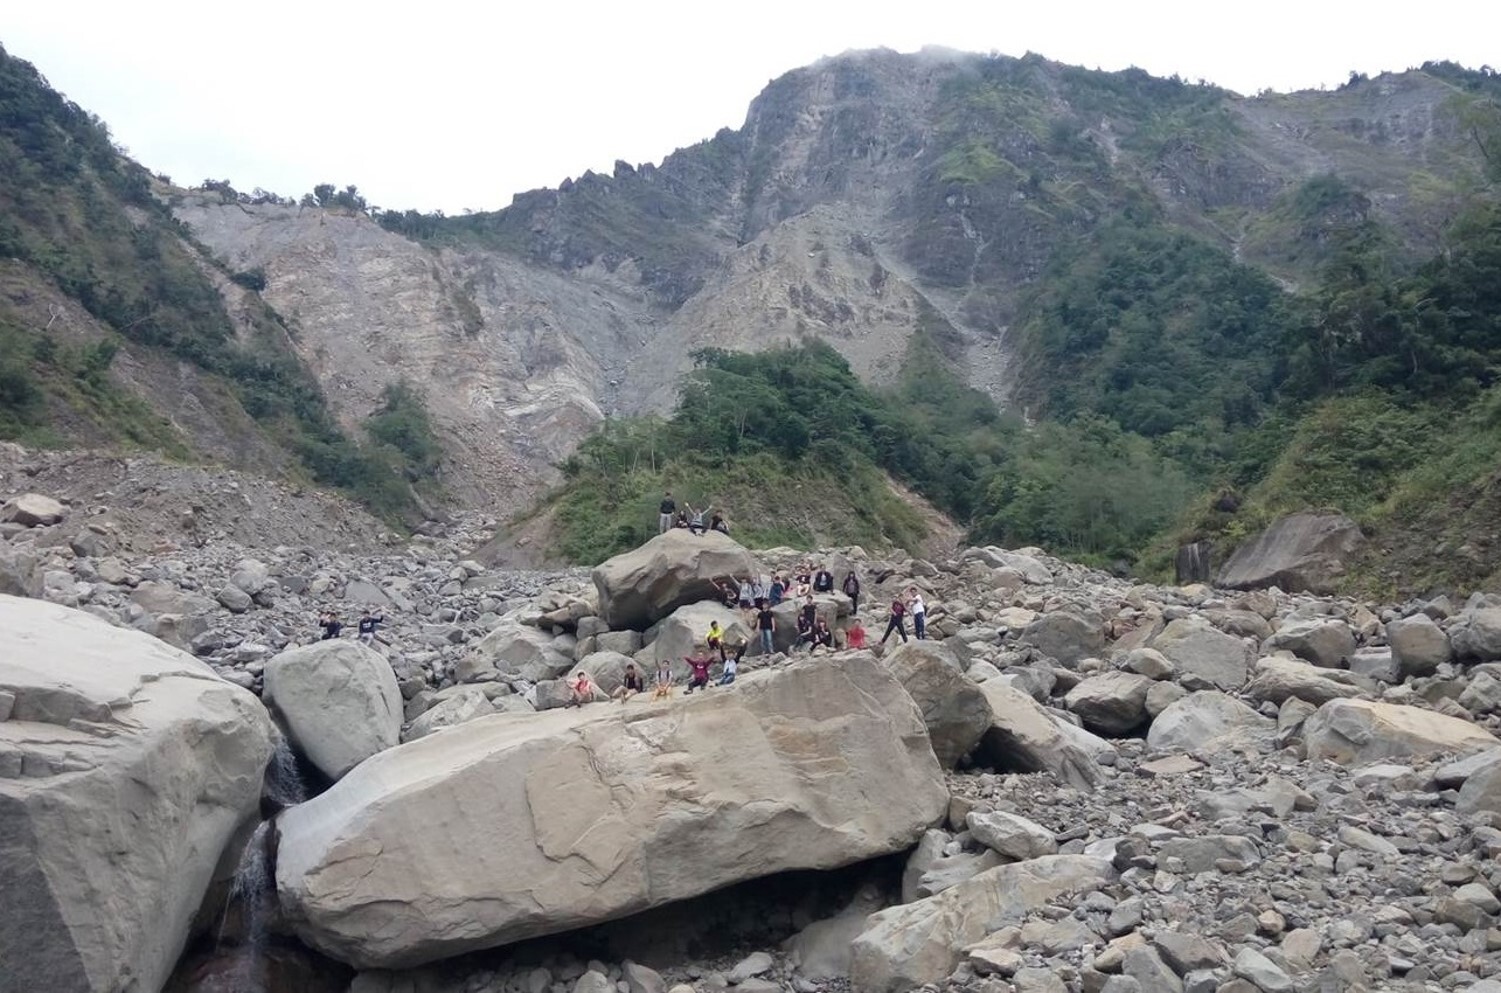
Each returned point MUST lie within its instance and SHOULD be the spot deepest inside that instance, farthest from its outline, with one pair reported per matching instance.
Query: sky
(452, 105)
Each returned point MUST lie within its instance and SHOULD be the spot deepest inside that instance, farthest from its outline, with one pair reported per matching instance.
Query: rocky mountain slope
(865, 200)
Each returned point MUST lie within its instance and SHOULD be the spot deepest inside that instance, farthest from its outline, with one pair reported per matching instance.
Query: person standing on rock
(919, 612)
(329, 622)
(897, 621)
(778, 588)
(367, 626)
(766, 625)
(852, 590)
(715, 639)
(665, 513)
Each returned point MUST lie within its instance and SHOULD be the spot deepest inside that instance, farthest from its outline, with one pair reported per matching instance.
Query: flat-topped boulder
(642, 586)
(126, 766)
(1300, 553)
(513, 826)
(339, 700)
(1356, 732)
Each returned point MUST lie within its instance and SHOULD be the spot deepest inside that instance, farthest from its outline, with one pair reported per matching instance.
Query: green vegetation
(404, 428)
(75, 210)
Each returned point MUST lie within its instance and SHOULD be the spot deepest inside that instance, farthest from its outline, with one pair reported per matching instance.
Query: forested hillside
(96, 275)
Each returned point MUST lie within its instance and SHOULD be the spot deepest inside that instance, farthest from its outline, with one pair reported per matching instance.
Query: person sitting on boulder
(823, 580)
(682, 521)
(698, 664)
(823, 636)
(897, 621)
(804, 633)
(715, 639)
(852, 590)
(696, 519)
(582, 688)
(664, 681)
(854, 635)
(730, 589)
(717, 523)
(732, 664)
(368, 624)
(630, 684)
(329, 622)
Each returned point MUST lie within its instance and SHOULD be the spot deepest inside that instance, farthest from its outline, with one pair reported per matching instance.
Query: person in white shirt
(919, 612)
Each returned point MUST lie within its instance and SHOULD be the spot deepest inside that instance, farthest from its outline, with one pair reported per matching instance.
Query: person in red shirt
(854, 635)
(698, 663)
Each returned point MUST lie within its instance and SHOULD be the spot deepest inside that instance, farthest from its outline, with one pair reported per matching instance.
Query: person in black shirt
(823, 635)
(804, 632)
(852, 590)
(630, 684)
(367, 626)
(766, 624)
(329, 622)
(665, 512)
(823, 580)
(897, 621)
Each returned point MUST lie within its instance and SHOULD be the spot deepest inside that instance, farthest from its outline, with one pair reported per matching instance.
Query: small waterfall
(250, 888)
(284, 786)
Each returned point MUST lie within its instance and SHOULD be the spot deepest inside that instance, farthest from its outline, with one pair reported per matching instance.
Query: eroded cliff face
(867, 198)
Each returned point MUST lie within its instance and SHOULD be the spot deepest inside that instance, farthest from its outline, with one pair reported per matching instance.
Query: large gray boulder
(1277, 678)
(1066, 635)
(1324, 641)
(339, 700)
(955, 711)
(678, 635)
(516, 649)
(1419, 646)
(31, 510)
(18, 571)
(126, 766)
(1208, 721)
(1477, 636)
(1112, 703)
(466, 703)
(1301, 553)
(1203, 655)
(604, 811)
(1358, 732)
(908, 946)
(1022, 736)
(642, 586)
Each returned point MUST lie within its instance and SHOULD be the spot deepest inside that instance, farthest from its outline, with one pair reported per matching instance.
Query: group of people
(365, 628)
(582, 688)
(669, 517)
(757, 602)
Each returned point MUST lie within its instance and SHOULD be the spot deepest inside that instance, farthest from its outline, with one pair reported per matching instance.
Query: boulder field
(1079, 784)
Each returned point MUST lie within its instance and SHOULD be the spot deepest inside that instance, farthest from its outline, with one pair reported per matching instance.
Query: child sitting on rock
(582, 690)
(698, 664)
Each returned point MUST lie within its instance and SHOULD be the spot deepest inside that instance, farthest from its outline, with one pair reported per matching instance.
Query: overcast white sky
(453, 104)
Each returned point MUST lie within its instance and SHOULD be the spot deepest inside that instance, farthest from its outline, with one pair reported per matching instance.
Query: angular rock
(1112, 703)
(32, 510)
(1301, 553)
(1187, 952)
(1324, 641)
(1481, 791)
(125, 769)
(677, 635)
(906, 946)
(1206, 721)
(234, 600)
(1477, 636)
(517, 649)
(1022, 736)
(954, 709)
(1198, 649)
(1011, 836)
(1066, 635)
(642, 586)
(1419, 646)
(1261, 972)
(251, 576)
(605, 811)
(1277, 679)
(469, 703)
(1199, 854)
(339, 700)
(1359, 732)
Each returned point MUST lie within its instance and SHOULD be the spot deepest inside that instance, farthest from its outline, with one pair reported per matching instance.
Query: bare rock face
(642, 586)
(1301, 553)
(1022, 736)
(1355, 732)
(125, 768)
(954, 709)
(340, 701)
(1113, 703)
(530, 825)
(1204, 656)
